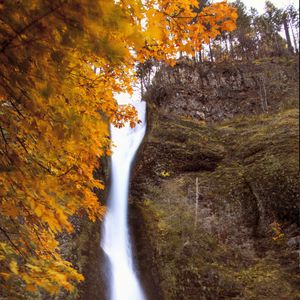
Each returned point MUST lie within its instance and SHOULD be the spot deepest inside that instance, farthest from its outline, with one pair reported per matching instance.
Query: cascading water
(124, 284)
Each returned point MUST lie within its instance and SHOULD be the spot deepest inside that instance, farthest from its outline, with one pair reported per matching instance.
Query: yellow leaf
(14, 267)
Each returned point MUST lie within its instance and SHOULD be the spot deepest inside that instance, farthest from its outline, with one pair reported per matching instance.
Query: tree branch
(37, 162)
(11, 242)
(29, 25)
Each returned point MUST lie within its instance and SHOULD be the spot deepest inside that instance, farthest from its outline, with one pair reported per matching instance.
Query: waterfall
(123, 281)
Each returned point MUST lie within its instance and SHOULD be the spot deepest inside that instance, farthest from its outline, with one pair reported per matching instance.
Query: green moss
(268, 280)
(248, 177)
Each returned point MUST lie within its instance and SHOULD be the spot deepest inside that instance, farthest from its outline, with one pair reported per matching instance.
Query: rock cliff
(217, 91)
(215, 191)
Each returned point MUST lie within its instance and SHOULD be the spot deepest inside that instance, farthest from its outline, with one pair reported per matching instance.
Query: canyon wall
(215, 193)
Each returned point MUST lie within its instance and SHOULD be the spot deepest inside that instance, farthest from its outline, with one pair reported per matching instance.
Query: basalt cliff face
(220, 91)
(215, 194)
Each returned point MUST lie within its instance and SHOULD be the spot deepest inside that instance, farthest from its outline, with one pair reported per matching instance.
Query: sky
(259, 4)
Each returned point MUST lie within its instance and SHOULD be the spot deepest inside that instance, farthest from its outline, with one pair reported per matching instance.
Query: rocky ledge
(215, 206)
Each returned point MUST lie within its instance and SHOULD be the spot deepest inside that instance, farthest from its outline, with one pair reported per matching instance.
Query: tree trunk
(287, 34)
(200, 56)
(278, 48)
(196, 203)
(231, 46)
(210, 52)
(294, 38)
(226, 46)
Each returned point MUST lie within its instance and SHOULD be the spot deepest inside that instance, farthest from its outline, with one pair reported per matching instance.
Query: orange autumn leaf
(62, 62)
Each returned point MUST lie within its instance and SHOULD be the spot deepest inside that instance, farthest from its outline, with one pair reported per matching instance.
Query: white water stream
(123, 282)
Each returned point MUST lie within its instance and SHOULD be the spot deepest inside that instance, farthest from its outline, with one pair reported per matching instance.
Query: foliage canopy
(55, 111)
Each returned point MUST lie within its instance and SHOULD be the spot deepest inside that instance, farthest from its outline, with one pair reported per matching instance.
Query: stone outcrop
(241, 241)
(217, 91)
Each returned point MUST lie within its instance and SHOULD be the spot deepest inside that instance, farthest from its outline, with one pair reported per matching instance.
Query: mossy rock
(228, 249)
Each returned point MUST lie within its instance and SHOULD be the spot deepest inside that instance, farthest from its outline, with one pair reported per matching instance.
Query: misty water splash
(123, 282)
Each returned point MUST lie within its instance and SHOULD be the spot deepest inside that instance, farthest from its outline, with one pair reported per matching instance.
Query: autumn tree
(55, 111)
(257, 34)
